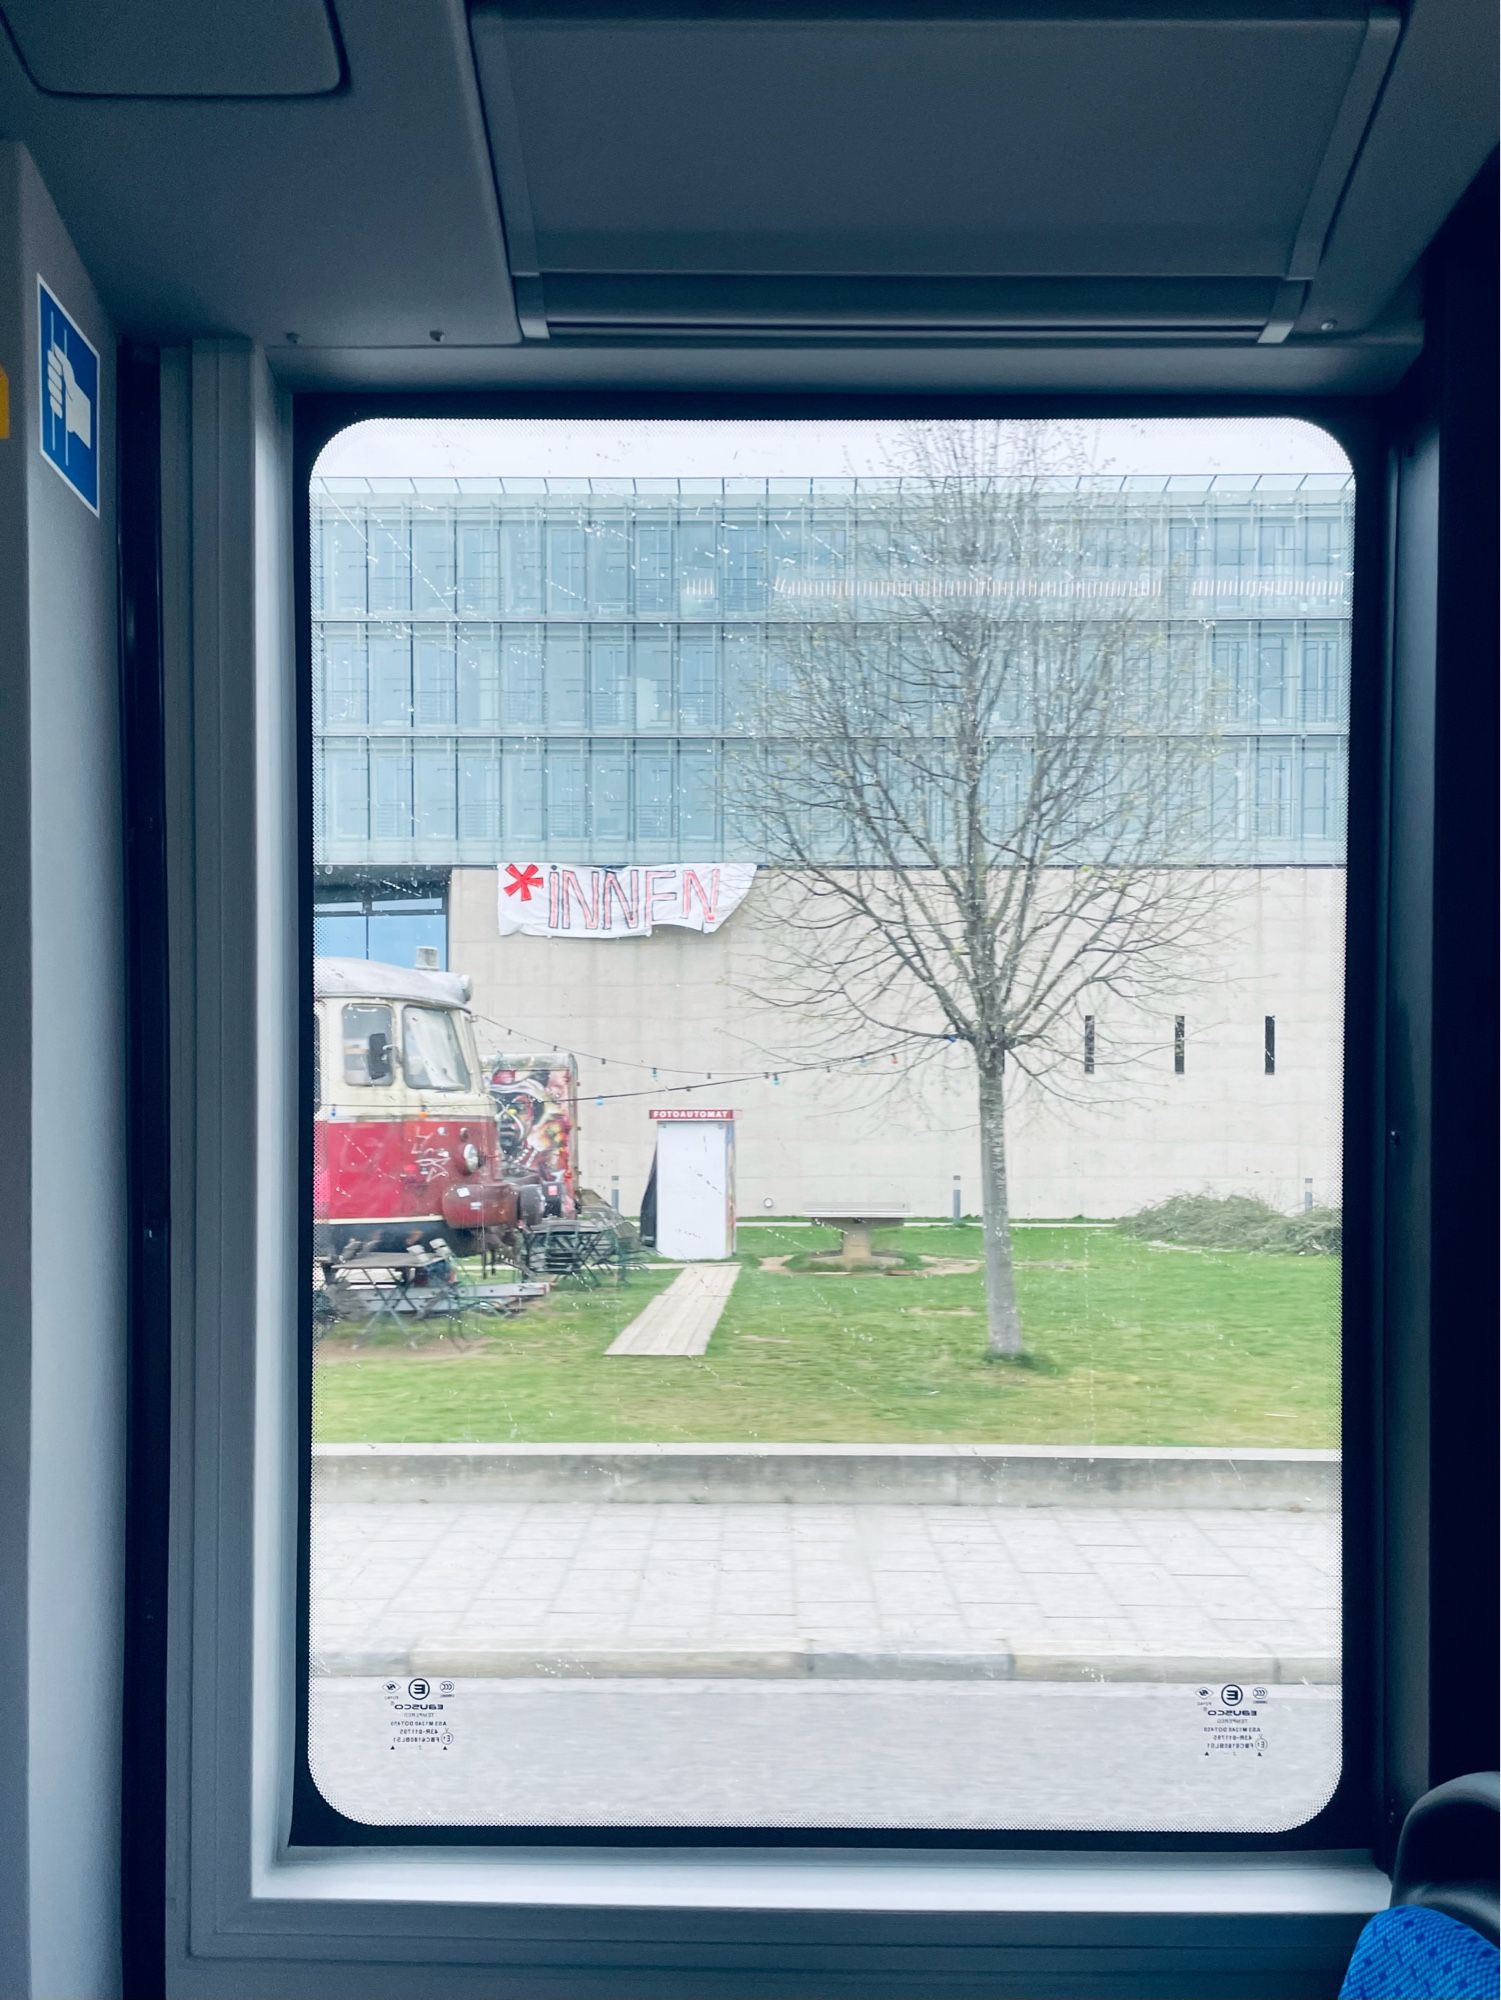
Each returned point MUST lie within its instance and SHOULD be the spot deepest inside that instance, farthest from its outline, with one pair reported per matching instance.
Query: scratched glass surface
(828, 1009)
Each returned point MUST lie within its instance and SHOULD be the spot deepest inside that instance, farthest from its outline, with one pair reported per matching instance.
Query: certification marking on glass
(421, 1713)
(1233, 1720)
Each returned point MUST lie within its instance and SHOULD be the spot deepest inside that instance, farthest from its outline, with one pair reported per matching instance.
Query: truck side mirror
(378, 1057)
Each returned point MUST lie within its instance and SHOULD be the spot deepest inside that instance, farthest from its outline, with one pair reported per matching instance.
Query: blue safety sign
(69, 369)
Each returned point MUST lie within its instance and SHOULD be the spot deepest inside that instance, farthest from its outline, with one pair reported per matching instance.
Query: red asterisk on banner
(523, 881)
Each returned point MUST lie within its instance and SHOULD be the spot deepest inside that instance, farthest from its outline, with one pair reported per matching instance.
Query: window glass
(363, 1062)
(434, 793)
(345, 687)
(479, 793)
(389, 562)
(391, 794)
(698, 693)
(653, 676)
(698, 564)
(342, 933)
(478, 691)
(609, 563)
(563, 677)
(369, 915)
(566, 554)
(390, 676)
(521, 563)
(404, 937)
(431, 1056)
(345, 567)
(1232, 536)
(654, 585)
(344, 796)
(608, 676)
(521, 676)
(565, 795)
(433, 688)
(890, 875)
(521, 794)
(1323, 677)
(1274, 689)
(746, 563)
(433, 560)
(610, 797)
(477, 556)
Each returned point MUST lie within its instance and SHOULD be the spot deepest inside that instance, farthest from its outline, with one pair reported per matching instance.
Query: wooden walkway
(680, 1320)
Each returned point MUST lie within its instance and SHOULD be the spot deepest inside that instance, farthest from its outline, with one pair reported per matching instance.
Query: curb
(832, 1474)
(812, 1663)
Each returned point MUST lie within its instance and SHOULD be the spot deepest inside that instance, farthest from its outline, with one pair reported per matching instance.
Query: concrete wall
(1128, 1135)
(62, 1357)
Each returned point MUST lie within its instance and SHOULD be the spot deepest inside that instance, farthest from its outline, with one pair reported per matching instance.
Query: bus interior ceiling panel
(359, 218)
(1023, 196)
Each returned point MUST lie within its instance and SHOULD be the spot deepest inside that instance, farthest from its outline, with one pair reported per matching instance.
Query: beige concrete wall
(1130, 1134)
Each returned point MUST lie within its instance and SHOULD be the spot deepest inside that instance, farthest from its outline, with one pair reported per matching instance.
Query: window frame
(236, 567)
(1343, 1821)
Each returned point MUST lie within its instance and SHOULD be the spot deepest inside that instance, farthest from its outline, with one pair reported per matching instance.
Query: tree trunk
(1004, 1335)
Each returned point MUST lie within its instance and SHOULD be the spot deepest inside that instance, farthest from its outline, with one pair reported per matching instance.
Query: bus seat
(1438, 1940)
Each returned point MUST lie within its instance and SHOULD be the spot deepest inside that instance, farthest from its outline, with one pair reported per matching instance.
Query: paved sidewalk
(680, 1320)
(862, 1591)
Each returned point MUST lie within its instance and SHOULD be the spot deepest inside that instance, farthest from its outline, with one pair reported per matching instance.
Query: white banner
(550, 899)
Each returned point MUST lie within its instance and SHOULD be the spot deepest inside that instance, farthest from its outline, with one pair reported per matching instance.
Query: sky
(437, 447)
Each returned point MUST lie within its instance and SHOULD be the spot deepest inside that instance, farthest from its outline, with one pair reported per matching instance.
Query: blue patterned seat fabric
(1410, 1953)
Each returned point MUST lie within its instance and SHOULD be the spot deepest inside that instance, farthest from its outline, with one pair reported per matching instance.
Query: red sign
(689, 1117)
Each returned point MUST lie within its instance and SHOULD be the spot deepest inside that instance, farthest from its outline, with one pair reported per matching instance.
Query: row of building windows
(448, 799)
(1180, 1045)
(709, 561)
(671, 678)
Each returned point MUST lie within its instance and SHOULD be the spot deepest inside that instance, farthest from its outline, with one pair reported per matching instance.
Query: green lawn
(1130, 1345)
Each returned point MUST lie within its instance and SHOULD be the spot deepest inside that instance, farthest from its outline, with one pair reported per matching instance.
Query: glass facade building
(564, 667)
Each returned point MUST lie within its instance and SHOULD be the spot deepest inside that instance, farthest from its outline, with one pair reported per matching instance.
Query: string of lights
(858, 1058)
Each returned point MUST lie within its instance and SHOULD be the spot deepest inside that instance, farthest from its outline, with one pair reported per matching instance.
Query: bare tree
(982, 766)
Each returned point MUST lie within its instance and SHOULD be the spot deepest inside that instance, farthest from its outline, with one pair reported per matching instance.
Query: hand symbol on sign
(65, 398)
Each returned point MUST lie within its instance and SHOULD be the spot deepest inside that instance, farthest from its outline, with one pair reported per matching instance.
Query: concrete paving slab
(815, 1586)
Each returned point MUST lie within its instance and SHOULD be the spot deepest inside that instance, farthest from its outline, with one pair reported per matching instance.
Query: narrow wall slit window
(1269, 1044)
(733, 1322)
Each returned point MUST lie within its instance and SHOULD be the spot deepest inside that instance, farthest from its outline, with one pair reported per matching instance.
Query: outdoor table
(393, 1281)
(575, 1247)
(856, 1224)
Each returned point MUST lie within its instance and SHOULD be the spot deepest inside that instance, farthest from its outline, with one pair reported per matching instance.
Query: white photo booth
(695, 1183)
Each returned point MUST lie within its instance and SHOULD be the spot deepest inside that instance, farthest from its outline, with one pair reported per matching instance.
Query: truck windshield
(431, 1052)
